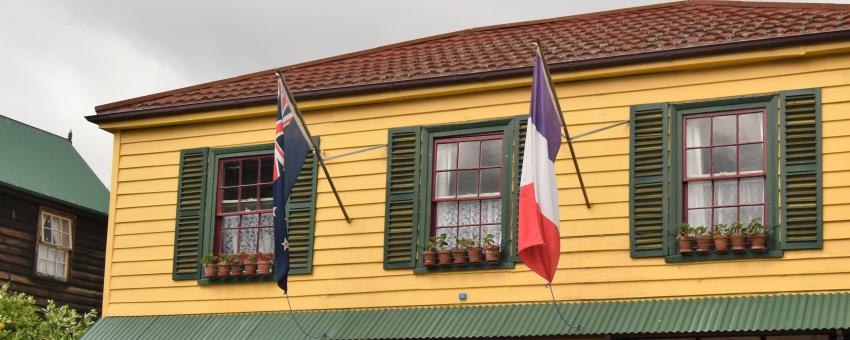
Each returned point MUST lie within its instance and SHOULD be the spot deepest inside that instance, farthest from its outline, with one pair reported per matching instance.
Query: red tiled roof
(626, 33)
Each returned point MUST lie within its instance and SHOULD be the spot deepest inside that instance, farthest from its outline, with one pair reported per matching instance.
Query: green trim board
(739, 315)
(46, 165)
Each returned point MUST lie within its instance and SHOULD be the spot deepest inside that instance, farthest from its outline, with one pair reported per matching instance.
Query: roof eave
(478, 76)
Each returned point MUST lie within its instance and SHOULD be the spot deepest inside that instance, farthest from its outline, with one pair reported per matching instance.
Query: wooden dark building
(53, 218)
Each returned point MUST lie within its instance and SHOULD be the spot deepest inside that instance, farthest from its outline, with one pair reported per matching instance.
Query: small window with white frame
(55, 241)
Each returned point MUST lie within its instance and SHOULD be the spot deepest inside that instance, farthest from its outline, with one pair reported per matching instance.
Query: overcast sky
(60, 59)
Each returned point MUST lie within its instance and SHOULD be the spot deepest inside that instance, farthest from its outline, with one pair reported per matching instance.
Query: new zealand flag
(290, 151)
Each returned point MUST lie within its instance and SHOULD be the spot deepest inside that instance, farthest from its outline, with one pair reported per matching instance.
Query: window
(717, 161)
(225, 204)
(55, 241)
(460, 180)
(724, 167)
(244, 220)
(467, 190)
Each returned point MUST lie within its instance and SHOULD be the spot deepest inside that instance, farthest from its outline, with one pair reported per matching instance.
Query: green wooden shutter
(520, 132)
(649, 174)
(401, 215)
(190, 214)
(301, 216)
(802, 198)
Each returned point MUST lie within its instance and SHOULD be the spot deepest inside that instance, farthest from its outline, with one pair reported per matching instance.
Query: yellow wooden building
(715, 112)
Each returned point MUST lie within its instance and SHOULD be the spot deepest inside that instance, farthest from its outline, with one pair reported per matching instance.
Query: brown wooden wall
(18, 220)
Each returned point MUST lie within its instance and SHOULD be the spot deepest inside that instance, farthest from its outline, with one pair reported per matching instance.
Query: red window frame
(456, 169)
(219, 215)
(737, 176)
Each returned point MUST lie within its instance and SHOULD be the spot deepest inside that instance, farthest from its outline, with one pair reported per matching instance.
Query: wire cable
(292, 314)
(555, 304)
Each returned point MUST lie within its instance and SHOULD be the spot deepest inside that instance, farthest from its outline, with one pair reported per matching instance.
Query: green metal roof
(45, 164)
(765, 313)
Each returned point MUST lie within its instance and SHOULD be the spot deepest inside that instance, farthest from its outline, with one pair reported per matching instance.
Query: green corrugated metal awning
(750, 314)
(45, 164)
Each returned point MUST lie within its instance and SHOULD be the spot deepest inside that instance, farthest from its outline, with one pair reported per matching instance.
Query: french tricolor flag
(539, 235)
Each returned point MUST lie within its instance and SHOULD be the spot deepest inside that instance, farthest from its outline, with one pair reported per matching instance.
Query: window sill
(464, 267)
(721, 257)
(240, 279)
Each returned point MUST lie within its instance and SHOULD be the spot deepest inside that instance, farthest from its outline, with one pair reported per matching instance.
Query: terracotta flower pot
(704, 243)
(474, 254)
(738, 242)
(429, 257)
(209, 270)
(236, 269)
(250, 268)
(223, 269)
(721, 244)
(459, 256)
(685, 245)
(264, 267)
(759, 240)
(492, 253)
(443, 256)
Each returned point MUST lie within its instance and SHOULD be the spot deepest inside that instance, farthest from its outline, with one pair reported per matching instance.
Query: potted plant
(235, 265)
(721, 238)
(704, 239)
(491, 249)
(430, 249)
(736, 232)
(685, 239)
(758, 235)
(222, 264)
(442, 252)
(473, 251)
(459, 251)
(209, 262)
(250, 263)
(264, 264)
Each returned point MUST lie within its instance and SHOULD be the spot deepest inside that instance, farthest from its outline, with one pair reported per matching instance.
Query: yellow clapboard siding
(146, 199)
(144, 240)
(144, 227)
(836, 144)
(836, 161)
(138, 187)
(145, 213)
(153, 159)
(148, 173)
(595, 264)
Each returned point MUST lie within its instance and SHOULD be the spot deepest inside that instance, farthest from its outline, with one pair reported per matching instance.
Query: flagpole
(316, 151)
(563, 122)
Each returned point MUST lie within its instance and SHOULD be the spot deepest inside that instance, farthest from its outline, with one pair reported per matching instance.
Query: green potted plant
(721, 238)
(209, 262)
(491, 249)
(704, 239)
(235, 265)
(758, 235)
(223, 266)
(442, 252)
(459, 251)
(473, 251)
(264, 263)
(736, 232)
(250, 263)
(685, 238)
(430, 249)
